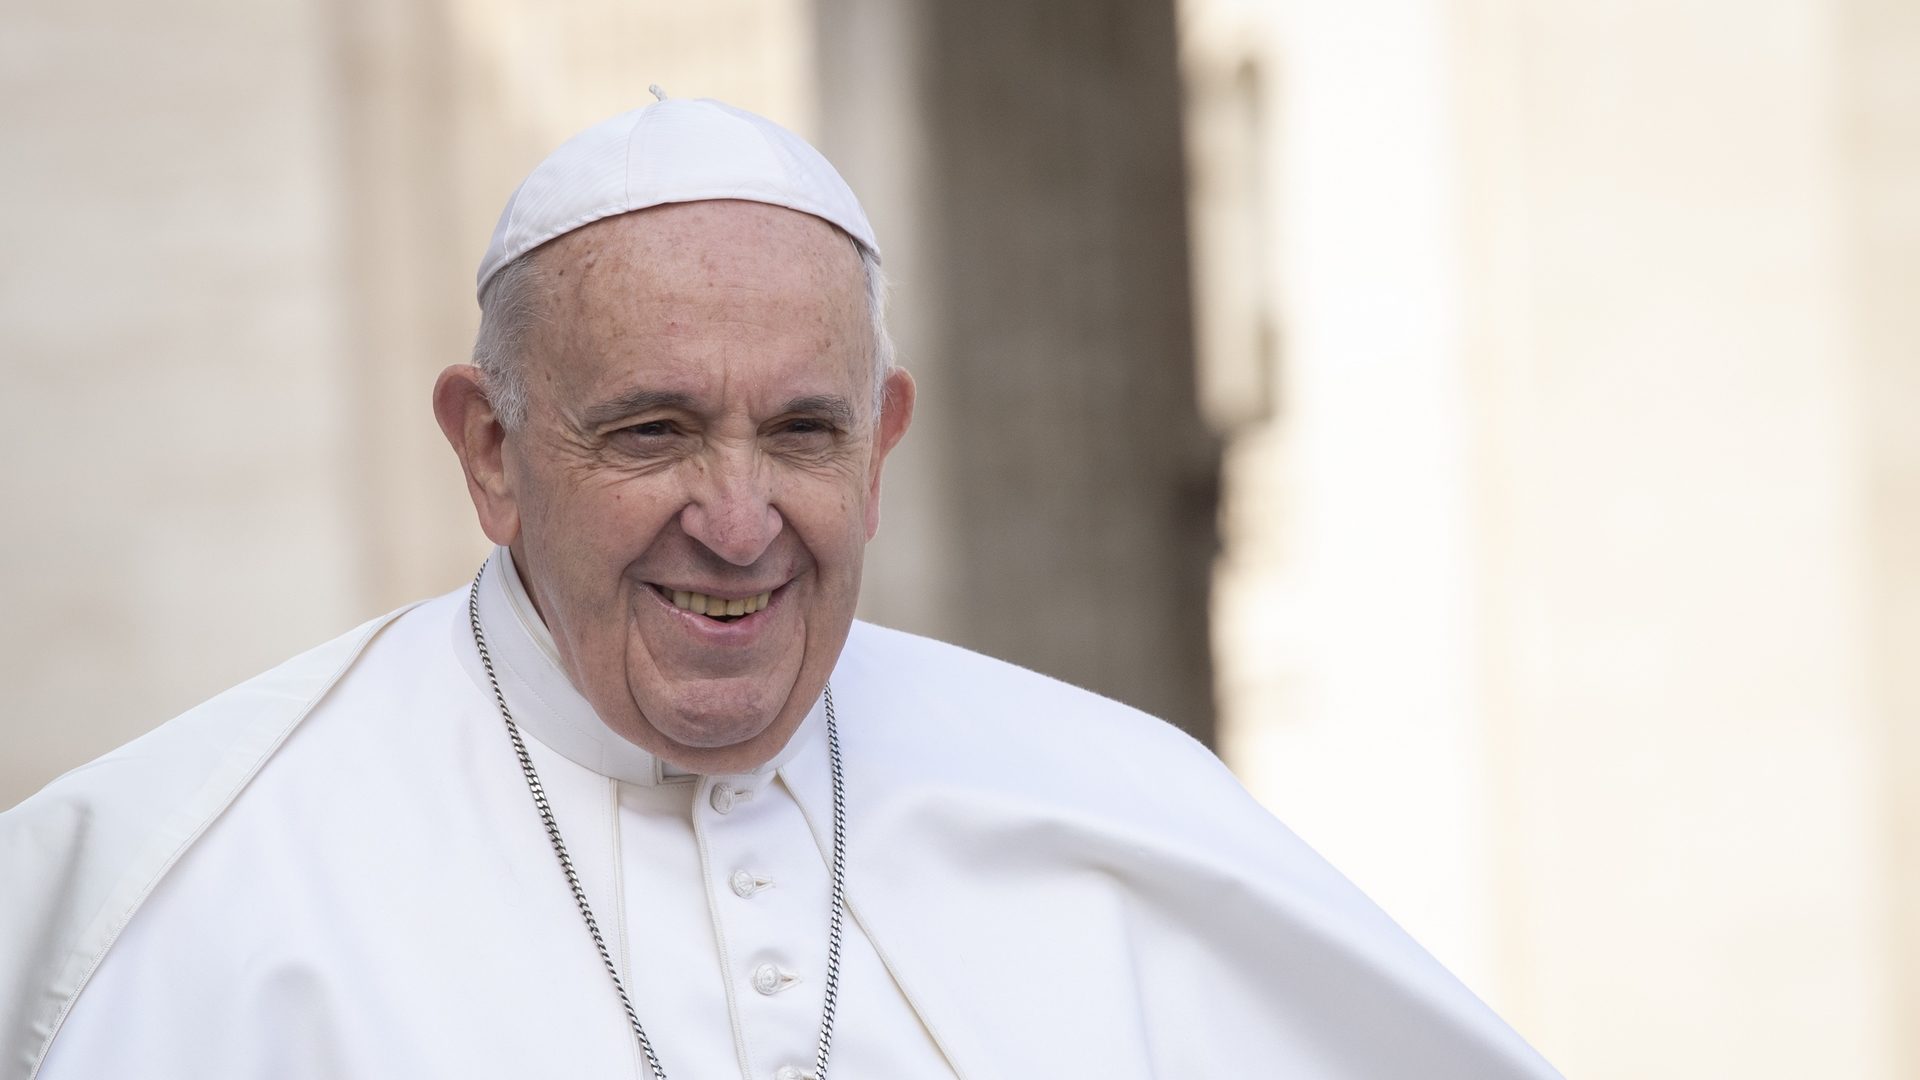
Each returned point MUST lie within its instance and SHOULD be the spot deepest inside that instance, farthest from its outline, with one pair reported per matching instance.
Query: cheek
(597, 526)
(832, 525)
(628, 518)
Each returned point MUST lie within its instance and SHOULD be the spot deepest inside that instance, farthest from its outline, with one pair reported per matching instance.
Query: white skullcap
(672, 151)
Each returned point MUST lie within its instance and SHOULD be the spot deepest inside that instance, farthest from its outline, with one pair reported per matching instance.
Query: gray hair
(514, 302)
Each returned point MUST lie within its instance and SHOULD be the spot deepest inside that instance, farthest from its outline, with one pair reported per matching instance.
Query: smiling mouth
(717, 608)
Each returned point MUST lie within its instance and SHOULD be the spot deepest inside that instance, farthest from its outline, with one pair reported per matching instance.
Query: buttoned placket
(769, 894)
(765, 879)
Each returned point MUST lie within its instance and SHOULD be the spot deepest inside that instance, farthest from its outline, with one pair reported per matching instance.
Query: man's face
(700, 425)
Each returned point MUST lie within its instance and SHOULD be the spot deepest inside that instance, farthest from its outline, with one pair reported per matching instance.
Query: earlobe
(478, 438)
(896, 415)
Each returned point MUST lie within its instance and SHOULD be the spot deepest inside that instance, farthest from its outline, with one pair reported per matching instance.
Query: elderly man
(644, 800)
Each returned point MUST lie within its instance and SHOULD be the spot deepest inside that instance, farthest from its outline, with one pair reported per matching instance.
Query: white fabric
(84, 853)
(673, 151)
(300, 978)
(1044, 884)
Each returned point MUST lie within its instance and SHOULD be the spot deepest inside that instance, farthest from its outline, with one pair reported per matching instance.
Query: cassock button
(795, 1072)
(725, 796)
(770, 980)
(745, 884)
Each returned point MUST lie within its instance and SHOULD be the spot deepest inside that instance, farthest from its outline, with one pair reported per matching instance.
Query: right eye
(651, 429)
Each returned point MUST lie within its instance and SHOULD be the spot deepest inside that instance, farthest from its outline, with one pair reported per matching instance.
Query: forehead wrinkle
(661, 276)
(657, 253)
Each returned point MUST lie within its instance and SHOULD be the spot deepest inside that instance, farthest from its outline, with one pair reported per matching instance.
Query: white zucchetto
(673, 151)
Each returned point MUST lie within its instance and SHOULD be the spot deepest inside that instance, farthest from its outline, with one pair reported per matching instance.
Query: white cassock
(335, 870)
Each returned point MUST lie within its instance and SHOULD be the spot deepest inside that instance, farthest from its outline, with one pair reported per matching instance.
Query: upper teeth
(702, 604)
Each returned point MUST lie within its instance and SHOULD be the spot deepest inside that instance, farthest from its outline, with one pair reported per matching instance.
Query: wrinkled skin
(699, 418)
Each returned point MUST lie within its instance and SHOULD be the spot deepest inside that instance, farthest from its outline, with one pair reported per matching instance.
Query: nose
(731, 511)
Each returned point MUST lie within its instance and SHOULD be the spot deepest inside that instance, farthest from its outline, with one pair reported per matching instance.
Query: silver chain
(540, 803)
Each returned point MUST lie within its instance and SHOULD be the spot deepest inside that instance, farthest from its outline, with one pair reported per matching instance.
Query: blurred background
(1490, 424)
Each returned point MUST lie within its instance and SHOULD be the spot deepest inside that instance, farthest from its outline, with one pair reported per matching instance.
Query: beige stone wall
(1675, 587)
(1341, 620)
(1879, 142)
(174, 413)
(1568, 601)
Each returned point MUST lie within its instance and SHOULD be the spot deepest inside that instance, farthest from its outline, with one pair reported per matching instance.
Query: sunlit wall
(1568, 598)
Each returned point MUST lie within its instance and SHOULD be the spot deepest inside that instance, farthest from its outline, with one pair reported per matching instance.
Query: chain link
(545, 808)
(839, 892)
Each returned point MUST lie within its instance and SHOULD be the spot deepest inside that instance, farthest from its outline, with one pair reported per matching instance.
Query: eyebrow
(831, 407)
(635, 401)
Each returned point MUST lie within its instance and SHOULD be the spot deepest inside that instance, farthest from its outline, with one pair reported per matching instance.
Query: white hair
(514, 302)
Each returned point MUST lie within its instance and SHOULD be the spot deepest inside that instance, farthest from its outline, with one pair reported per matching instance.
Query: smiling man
(644, 799)
(690, 480)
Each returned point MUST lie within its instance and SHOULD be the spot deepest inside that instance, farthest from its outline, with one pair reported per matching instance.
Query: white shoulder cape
(84, 853)
(1061, 886)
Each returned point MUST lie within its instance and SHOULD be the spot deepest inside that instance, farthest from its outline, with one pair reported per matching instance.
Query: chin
(712, 722)
(699, 735)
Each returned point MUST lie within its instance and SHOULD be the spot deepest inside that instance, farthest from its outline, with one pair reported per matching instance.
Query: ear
(896, 414)
(478, 439)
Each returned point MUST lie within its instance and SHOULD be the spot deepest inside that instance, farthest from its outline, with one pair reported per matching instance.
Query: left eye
(804, 427)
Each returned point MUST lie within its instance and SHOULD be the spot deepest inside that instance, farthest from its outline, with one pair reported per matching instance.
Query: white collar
(547, 707)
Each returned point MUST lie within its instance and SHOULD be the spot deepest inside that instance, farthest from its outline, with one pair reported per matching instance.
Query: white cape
(1061, 886)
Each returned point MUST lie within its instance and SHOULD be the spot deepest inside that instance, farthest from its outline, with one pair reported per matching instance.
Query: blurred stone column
(171, 417)
(409, 179)
(1025, 166)
(1692, 341)
(1880, 142)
